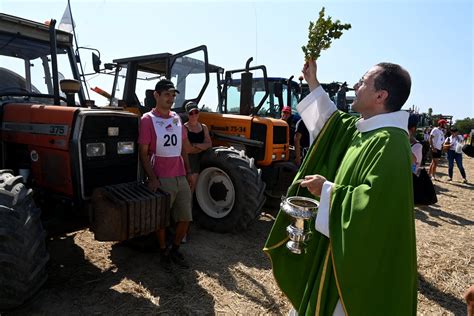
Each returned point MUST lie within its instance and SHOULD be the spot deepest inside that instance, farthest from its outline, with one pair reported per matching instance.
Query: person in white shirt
(436, 144)
(416, 147)
(426, 134)
(454, 144)
(426, 145)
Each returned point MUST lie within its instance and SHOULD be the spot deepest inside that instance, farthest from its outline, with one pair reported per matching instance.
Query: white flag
(67, 24)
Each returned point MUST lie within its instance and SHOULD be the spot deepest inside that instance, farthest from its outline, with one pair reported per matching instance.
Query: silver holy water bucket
(302, 210)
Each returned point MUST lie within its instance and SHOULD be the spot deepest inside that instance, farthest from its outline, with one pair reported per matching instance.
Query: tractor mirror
(96, 62)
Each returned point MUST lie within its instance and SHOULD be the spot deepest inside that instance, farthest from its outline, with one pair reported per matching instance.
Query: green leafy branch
(321, 35)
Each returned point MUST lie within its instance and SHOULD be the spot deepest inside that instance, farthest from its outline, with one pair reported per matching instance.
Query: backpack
(423, 189)
(468, 149)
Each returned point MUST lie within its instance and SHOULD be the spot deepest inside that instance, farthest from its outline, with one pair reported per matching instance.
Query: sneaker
(433, 179)
(165, 262)
(450, 179)
(464, 181)
(178, 258)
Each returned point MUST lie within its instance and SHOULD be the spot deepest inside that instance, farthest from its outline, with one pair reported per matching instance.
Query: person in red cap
(436, 144)
(285, 112)
(288, 117)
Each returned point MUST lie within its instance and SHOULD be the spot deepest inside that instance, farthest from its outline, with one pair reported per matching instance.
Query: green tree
(465, 125)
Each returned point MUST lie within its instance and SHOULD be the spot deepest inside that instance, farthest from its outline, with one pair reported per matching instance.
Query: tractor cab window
(272, 106)
(233, 99)
(188, 74)
(258, 94)
(135, 77)
(294, 97)
(33, 75)
(233, 96)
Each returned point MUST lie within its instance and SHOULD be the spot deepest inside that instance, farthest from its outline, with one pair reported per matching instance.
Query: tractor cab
(274, 91)
(337, 92)
(33, 68)
(135, 78)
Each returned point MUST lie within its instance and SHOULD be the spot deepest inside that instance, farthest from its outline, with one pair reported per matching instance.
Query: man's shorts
(180, 198)
(436, 154)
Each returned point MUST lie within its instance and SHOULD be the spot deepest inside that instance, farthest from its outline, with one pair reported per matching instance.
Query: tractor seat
(149, 102)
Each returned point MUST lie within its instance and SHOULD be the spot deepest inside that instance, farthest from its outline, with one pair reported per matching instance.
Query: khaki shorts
(180, 198)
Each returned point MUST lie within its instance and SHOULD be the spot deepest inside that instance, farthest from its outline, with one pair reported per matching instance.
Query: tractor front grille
(280, 135)
(258, 132)
(111, 168)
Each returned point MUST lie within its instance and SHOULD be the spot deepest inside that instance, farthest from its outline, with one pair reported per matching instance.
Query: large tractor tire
(229, 193)
(23, 254)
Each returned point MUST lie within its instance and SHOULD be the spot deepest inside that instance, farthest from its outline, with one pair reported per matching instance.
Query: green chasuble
(369, 261)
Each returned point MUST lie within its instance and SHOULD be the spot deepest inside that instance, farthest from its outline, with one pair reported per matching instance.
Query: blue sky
(433, 40)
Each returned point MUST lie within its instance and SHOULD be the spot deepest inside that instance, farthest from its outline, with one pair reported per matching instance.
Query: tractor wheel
(23, 254)
(230, 192)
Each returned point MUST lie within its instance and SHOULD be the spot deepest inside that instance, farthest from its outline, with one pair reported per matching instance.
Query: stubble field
(230, 275)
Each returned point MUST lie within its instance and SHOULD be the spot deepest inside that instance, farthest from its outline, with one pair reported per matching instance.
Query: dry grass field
(230, 274)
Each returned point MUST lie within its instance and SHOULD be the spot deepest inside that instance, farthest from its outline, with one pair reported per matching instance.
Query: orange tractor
(249, 162)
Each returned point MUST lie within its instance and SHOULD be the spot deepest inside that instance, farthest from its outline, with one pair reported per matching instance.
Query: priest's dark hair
(397, 82)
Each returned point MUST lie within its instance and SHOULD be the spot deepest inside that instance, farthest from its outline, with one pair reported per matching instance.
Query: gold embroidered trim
(276, 245)
(337, 281)
(321, 282)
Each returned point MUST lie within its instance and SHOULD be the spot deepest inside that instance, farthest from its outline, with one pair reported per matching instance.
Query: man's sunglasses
(193, 112)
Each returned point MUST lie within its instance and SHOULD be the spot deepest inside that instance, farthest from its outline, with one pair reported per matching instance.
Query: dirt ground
(230, 274)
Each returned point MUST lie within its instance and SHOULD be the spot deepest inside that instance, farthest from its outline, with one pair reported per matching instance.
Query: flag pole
(78, 56)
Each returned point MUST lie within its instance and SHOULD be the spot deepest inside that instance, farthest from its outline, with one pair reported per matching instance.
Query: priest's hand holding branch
(309, 72)
(314, 184)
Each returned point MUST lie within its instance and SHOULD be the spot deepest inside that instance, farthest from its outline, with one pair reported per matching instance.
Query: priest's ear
(382, 96)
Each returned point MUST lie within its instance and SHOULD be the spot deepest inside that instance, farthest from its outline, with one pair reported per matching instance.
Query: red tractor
(70, 152)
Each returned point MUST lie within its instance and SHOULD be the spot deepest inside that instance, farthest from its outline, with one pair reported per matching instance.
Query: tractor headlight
(124, 148)
(95, 149)
(274, 157)
(283, 156)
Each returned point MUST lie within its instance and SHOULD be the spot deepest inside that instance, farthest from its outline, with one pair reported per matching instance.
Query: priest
(361, 257)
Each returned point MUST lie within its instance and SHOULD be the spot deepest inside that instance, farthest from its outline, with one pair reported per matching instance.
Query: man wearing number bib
(163, 146)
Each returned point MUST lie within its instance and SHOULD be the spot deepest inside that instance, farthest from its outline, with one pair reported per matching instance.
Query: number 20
(170, 140)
